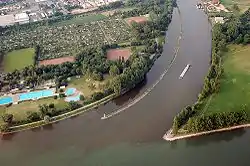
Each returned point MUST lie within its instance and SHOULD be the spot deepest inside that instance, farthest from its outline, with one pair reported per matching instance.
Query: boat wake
(153, 86)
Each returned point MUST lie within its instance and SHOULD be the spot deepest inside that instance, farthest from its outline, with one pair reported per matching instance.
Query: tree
(33, 116)
(8, 118)
(82, 97)
(236, 7)
(113, 71)
(116, 85)
(46, 119)
(246, 39)
(4, 127)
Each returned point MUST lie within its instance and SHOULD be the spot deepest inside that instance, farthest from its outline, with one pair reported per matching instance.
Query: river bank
(171, 137)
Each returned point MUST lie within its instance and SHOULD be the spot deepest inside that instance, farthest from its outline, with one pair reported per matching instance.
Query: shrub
(46, 119)
(61, 95)
(82, 97)
(51, 105)
(55, 97)
(4, 127)
(33, 116)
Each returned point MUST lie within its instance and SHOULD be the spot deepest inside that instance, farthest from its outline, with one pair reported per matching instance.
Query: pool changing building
(11, 19)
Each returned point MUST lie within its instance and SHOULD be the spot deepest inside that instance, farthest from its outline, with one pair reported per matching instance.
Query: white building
(7, 20)
(219, 20)
(22, 18)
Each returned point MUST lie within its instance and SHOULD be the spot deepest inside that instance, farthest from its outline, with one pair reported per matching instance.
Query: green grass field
(20, 110)
(235, 84)
(243, 4)
(18, 59)
(81, 20)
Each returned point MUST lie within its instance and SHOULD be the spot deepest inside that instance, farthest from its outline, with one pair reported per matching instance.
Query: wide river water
(134, 136)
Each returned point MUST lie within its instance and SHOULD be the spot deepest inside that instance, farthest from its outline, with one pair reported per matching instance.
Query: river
(134, 136)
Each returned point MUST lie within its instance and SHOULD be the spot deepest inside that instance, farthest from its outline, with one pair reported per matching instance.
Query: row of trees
(230, 32)
(214, 121)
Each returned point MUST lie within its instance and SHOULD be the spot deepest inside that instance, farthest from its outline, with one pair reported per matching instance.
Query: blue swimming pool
(73, 98)
(70, 91)
(6, 100)
(36, 94)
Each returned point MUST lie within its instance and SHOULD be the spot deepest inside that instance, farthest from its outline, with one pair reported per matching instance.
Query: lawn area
(18, 59)
(243, 4)
(81, 20)
(235, 84)
(83, 84)
(20, 110)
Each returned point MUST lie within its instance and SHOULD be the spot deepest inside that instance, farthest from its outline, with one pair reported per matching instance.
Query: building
(216, 2)
(219, 20)
(22, 18)
(7, 20)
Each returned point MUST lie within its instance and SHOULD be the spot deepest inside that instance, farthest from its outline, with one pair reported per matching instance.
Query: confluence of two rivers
(134, 136)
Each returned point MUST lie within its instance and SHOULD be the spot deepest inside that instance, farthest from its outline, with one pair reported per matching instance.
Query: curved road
(144, 121)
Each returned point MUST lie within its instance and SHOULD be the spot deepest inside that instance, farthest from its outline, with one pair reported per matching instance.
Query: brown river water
(133, 137)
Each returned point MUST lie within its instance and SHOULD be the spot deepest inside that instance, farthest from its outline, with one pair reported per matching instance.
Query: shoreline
(61, 117)
(168, 136)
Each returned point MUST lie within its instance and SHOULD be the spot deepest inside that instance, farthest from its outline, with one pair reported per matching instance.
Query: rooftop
(7, 20)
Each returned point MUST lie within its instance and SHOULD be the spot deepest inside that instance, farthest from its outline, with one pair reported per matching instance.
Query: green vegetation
(228, 84)
(81, 20)
(99, 77)
(235, 90)
(18, 59)
(243, 5)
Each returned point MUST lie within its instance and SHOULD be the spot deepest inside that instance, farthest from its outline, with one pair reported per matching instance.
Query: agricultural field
(68, 40)
(242, 4)
(235, 90)
(116, 54)
(18, 59)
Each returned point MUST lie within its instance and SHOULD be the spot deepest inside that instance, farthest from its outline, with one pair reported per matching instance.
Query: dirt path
(170, 137)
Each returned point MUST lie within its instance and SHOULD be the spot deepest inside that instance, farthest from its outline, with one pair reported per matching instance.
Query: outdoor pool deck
(72, 95)
(6, 100)
(34, 95)
(70, 91)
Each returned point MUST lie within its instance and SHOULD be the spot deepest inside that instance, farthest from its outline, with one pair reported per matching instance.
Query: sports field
(139, 19)
(57, 61)
(116, 54)
(18, 59)
(82, 20)
(234, 92)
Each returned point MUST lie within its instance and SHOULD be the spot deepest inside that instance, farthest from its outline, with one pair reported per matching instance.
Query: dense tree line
(235, 30)
(214, 121)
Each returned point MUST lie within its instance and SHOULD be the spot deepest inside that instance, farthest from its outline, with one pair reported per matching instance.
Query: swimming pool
(73, 98)
(36, 94)
(6, 100)
(70, 91)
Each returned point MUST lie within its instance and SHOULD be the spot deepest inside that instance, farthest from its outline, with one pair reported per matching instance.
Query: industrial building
(11, 19)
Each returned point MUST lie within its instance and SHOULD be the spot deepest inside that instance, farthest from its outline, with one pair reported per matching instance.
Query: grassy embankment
(20, 110)
(242, 4)
(235, 84)
(18, 59)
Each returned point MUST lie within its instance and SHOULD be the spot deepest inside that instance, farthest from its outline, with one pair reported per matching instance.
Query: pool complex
(70, 91)
(73, 98)
(36, 95)
(27, 96)
(6, 100)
